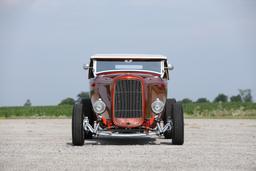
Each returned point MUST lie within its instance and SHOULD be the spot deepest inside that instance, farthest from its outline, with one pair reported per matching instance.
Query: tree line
(71, 101)
(243, 96)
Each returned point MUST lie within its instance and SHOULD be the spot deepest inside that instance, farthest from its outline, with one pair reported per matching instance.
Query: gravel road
(46, 145)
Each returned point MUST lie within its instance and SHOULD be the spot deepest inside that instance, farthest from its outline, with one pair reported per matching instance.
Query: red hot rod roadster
(128, 97)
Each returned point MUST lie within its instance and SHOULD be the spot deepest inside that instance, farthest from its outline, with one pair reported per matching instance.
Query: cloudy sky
(44, 43)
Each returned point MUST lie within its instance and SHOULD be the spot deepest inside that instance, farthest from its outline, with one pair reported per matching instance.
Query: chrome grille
(128, 99)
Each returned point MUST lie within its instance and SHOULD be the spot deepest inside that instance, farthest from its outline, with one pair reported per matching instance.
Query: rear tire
(178, 125)
(168, 116)
(77, 125)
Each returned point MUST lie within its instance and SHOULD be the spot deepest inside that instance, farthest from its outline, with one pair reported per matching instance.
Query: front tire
(178, 125)
(77, 125)
(168, 116)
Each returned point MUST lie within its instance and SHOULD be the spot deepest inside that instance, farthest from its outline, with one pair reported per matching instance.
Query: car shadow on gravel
(124, 141)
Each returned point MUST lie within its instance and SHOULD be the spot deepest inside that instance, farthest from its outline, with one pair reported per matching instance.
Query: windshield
(128, 65)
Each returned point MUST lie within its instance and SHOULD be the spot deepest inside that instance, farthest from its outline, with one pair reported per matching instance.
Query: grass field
(36, 111)
(191, 110)
(220, 110)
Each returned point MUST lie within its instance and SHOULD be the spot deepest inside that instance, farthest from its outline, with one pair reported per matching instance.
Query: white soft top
(128, 56)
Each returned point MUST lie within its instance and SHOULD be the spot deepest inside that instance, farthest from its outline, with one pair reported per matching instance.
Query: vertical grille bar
(128, 99)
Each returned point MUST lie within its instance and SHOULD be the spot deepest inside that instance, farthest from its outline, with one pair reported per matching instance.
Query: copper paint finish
(152, 87)
(128, 122)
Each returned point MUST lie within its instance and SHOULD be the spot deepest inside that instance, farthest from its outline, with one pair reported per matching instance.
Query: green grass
(220, 110)
(191, 110)
(36, 111)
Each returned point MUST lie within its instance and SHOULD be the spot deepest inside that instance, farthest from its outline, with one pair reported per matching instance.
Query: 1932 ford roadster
(128, 97)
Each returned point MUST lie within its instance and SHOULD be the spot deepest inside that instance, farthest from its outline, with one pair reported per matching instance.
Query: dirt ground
(46, 145)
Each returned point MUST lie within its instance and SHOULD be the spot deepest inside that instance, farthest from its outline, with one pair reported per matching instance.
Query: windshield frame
(161, 73)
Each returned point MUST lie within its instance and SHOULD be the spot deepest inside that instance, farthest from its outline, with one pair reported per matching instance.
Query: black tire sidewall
(77, 125)
(178, 125)
(168, 116)
(168, 109)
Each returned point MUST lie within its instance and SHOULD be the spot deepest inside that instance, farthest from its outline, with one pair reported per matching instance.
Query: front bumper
(96, 130)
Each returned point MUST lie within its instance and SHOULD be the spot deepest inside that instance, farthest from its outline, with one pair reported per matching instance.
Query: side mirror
(169, 67)
(86, 67)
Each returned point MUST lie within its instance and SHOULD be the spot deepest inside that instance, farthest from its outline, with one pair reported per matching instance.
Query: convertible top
(128, 56)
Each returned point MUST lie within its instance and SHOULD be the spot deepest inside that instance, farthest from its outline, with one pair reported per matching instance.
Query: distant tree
(84, 95)
(246, 95)
(236, 98)
(67, 101)
(221, 98)
(202, 100)
(186, 100)
(28, 103)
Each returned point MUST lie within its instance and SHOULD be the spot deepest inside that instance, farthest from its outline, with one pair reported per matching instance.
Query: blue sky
(44, 43)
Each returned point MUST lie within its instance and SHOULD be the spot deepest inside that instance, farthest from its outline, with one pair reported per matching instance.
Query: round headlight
(157, 106)
(99, 106)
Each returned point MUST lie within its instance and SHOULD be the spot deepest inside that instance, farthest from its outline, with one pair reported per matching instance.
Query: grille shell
(128, 99)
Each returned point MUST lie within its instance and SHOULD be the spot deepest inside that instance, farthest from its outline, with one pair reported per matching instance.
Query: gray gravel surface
(46, 145)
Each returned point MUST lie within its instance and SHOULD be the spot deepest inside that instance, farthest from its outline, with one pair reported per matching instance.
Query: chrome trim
(94, 66)
(157, 101)
(103, 105)
(169, 67)
(160, 73)
(98, 131)
(87, 126)
(108, 133)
